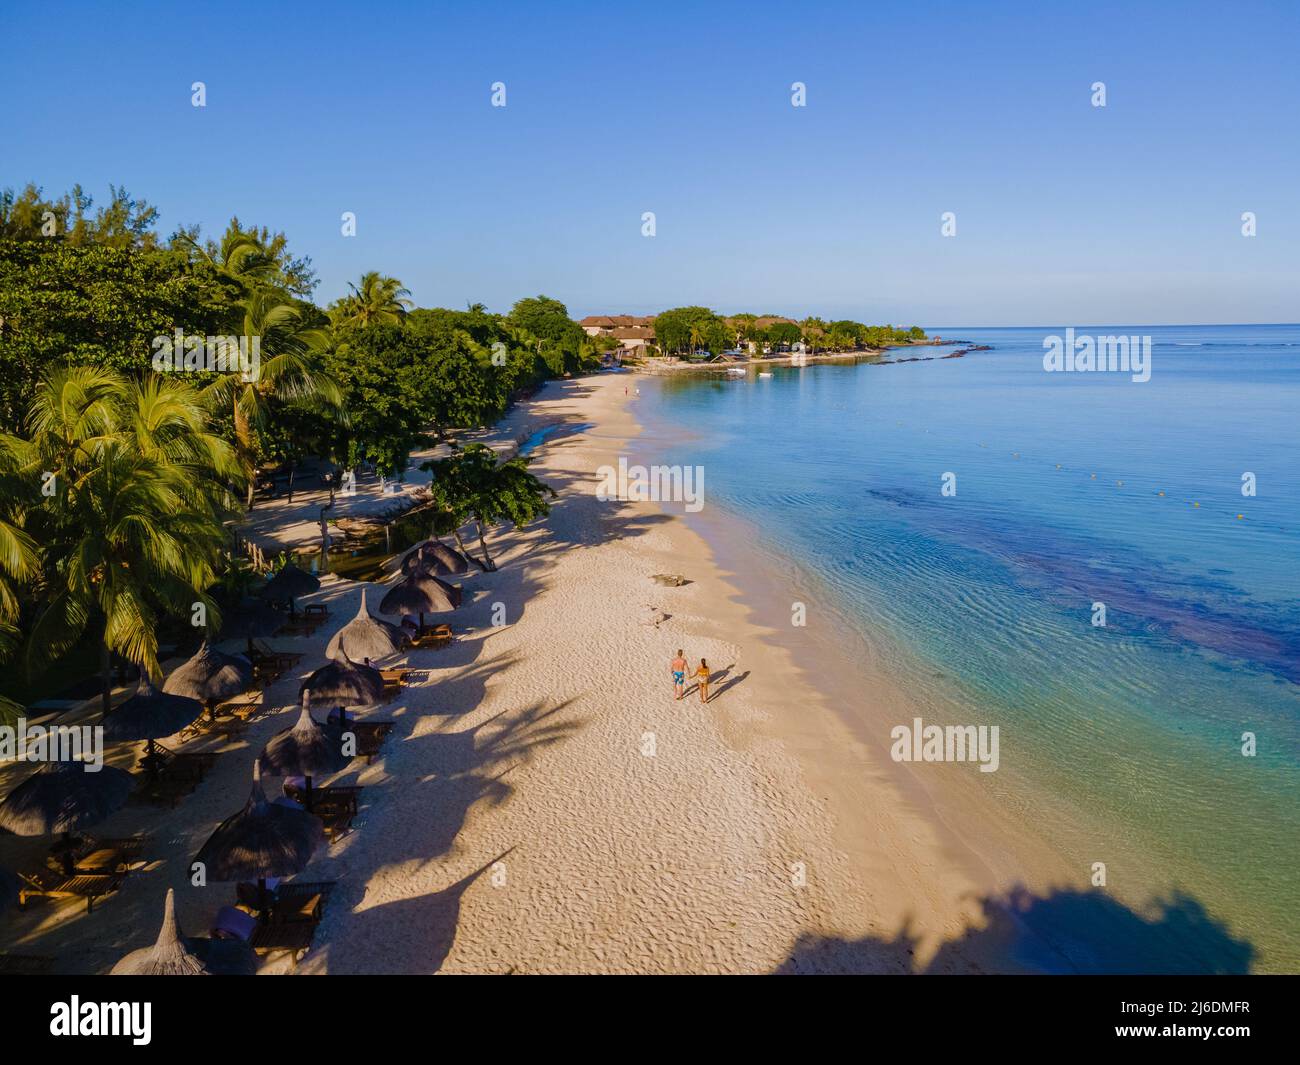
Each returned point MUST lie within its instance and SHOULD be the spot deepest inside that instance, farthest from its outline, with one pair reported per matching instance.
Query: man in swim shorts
(678, 668)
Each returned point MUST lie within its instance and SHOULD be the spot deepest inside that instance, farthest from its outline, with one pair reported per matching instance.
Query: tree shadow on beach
(416, 933)
(1064, 931)
(462, 770)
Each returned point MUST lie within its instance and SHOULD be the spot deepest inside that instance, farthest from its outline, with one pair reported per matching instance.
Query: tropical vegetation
(120, 480)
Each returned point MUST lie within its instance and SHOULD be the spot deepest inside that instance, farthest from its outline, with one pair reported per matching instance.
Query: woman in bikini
(678, 668)
(702, 676)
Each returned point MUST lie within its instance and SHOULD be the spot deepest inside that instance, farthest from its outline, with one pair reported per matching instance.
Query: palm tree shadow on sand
(429, 923)
(1065, 931)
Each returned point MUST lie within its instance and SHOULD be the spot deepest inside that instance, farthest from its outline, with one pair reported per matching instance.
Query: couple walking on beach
(678, 667)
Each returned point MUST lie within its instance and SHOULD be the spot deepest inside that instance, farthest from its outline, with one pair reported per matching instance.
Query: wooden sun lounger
(106, 856)
(247, 896)
(370, 737)
(316, 610)
(179, 774)
(295, 937)
(47, 884)
(299, 626)
(328, 799)
(265, 672)
(290, 658)
(433, 636)
(244, 707)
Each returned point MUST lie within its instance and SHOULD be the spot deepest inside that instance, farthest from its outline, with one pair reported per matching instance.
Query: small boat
(737, 371)
(765, 374)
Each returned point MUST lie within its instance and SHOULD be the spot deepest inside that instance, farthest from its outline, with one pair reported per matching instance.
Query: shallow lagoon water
(1123, 741)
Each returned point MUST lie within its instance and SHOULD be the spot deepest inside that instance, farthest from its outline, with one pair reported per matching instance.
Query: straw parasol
(420, 593)
(261, 840)
(344, 683)
(436, 558)
(210, 676)
(289, 584)
(307, 750)
(251, 618)
(174, 954)
(150, 715)
(62, 797)
(366, 636)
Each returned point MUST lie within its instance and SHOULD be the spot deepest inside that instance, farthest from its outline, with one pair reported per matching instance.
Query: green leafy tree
(62, 303)
(472, 484)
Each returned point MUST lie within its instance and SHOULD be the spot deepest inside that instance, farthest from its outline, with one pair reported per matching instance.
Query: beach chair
(245, 706)
(317, 612)
(90, 856)
(173, 775)
(327, 800)
(288, 659)
(336, 819)
(433, 636)
(292, 937)
(370, 735)
(188, 764)
(48, 884)
(265, 672)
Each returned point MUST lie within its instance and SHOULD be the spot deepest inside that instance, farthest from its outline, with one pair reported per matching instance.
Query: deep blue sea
(1121, 743)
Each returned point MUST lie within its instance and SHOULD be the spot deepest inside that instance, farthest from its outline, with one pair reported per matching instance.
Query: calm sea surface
(1120, 743)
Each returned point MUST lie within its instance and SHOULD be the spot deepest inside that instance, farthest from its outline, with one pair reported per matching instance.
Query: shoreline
(661, 367)
(544, 805)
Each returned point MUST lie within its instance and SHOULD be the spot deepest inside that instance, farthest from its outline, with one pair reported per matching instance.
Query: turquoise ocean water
(1120, 743)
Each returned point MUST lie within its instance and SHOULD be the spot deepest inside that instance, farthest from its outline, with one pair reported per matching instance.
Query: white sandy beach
(545, 806)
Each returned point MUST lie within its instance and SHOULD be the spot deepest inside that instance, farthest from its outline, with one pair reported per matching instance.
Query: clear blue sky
(1065, 213)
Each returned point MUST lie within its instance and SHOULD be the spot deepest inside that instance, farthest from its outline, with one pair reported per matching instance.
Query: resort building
(605, 324)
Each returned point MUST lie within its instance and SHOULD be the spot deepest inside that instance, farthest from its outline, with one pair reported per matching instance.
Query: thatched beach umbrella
(262, 840)
(176, 955)
(366, 636)
(150, 715)
(210, 676)
(307, 750)
(251, 618)
(436, 558)
(62, 797)
(344, 683)
(289, 584)
(420, 593)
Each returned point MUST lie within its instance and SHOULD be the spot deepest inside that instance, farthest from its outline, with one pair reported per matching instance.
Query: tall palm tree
(19, 560)
(132, 530)
(697, 337)
(291, 368)
(377, 300)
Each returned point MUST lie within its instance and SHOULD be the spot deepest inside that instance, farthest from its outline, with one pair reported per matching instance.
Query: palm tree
(19, 561)
(378, 299)
(132, 530)
(471, 483)
(290, 368)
